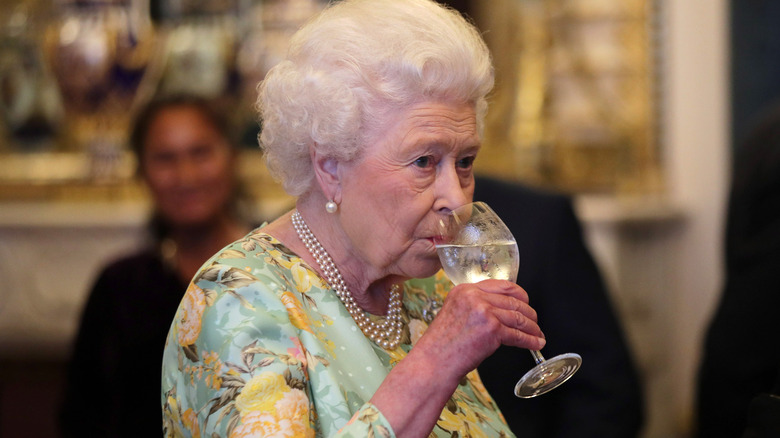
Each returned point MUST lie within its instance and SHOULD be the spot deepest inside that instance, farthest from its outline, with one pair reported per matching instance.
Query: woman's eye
(465, 163)
(423, 162)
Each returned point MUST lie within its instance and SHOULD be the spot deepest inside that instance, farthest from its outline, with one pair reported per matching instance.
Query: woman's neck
(194, 245)
(369, 285)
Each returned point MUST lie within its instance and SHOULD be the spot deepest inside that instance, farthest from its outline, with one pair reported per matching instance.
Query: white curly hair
(351, 66)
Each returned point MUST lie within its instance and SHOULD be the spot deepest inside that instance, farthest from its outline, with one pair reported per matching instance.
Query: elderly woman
(319, 323)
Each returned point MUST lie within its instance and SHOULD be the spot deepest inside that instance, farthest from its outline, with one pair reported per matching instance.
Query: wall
(697, 133)
(663, 257)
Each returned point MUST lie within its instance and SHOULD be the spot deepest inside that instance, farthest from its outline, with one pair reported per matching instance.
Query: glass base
(548, 375)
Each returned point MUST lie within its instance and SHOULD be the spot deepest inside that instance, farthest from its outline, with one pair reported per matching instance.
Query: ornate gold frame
(576, 94)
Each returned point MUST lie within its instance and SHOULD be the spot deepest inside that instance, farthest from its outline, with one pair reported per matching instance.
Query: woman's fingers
(511, 303)
(511, 307)
(497, 306)
(476, 319)
(522, 331)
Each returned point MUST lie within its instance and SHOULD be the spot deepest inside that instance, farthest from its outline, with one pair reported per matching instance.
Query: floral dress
(262, 346)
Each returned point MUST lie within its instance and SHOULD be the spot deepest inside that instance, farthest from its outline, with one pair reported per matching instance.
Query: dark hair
(148, 113)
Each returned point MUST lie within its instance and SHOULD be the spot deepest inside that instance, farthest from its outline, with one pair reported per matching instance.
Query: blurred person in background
(604, 398)
(739, 376)
(188, 161)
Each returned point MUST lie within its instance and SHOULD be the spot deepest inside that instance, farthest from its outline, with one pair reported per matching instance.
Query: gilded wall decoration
(575, 100)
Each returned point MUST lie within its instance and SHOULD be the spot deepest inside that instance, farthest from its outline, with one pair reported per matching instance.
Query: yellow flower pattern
(259, 424)
(190, 312)
(262, 347)
(261, 393)
(190, 420)
(295, 311)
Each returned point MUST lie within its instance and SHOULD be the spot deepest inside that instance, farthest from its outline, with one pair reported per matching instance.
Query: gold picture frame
(575, 102)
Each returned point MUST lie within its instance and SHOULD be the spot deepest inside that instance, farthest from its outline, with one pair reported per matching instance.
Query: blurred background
(635, 107)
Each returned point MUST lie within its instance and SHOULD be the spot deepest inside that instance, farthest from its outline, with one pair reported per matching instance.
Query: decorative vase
(29, 101)
(102, 53)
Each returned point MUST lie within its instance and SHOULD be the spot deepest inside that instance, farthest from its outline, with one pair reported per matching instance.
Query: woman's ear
(326, 171)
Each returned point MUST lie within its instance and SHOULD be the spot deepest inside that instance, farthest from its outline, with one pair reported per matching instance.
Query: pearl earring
(331, 207)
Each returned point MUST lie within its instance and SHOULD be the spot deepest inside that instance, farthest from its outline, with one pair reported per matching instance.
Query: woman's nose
(450, 192)
(186, 172)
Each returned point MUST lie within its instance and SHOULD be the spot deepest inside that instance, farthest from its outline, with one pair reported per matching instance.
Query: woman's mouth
(438, 240)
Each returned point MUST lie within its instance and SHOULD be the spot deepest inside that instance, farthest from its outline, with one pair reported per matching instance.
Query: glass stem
(538, 358)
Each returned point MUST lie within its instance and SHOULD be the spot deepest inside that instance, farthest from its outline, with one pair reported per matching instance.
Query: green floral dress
(261, 346)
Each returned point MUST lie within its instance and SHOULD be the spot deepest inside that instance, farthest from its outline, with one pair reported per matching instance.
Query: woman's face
(418, 169)
(188, 167)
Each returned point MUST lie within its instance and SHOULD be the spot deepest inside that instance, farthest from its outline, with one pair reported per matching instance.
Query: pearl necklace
(386, 334)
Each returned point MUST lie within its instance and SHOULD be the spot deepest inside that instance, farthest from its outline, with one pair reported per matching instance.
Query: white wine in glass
(476, 245)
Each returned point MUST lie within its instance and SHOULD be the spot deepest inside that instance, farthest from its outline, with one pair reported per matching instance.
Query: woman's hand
(474, 320)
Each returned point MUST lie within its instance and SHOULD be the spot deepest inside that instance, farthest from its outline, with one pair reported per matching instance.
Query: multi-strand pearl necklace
(387, 333)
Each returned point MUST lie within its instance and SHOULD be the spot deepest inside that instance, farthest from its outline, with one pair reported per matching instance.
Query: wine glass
(476, 245)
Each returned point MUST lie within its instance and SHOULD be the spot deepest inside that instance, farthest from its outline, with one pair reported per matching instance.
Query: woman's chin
(425, 267)
(187, 215)
(192, 221)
